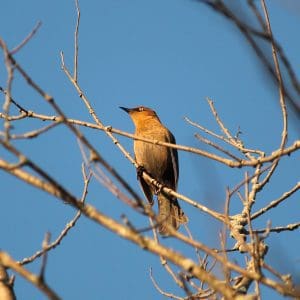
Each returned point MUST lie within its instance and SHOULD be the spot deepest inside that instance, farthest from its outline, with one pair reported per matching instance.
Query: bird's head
(140, 114)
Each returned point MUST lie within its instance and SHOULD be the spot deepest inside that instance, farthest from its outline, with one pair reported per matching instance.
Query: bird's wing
(146, 189)
(175, 162)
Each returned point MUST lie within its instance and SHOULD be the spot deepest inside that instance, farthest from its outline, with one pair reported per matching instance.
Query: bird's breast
(154, 158)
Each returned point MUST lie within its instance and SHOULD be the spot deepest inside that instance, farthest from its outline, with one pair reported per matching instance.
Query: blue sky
(169, 55)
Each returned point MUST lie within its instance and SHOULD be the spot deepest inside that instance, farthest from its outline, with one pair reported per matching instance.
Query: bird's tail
(169, 214)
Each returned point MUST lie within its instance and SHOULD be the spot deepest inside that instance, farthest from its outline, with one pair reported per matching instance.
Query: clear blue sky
(169, 55)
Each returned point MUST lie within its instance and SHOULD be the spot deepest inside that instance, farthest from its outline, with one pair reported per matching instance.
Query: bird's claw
(157, 190)
(139, 171)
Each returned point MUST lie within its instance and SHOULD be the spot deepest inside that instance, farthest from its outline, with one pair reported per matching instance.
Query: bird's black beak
(125, 109)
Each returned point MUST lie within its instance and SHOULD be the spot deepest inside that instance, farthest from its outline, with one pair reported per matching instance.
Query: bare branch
(8, 262)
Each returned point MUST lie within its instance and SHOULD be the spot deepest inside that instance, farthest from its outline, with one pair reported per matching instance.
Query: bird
(161, 163)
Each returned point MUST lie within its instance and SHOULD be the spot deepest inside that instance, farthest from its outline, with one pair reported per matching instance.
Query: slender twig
(68, 227)
(100, 176)
(27, 38)
(279, 78)
(163, 261)
(219, 121)
(8, 262)
(233, 140)
(169, 295)
(9, 81)
(274, 203)
(210, 143)
(34, 133)
(75, 75)
(289, 227)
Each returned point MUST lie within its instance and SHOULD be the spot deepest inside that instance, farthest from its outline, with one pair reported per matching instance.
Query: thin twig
(75, 75)
(27, 38)
(8, 262)
(216, 146)
(33, 133)
(9, 81)
(169, 295)
(279, 78)
(289, 227)
(68, 226)
(274, 203)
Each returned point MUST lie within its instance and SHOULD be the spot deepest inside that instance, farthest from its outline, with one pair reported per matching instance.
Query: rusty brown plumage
(160, 162)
